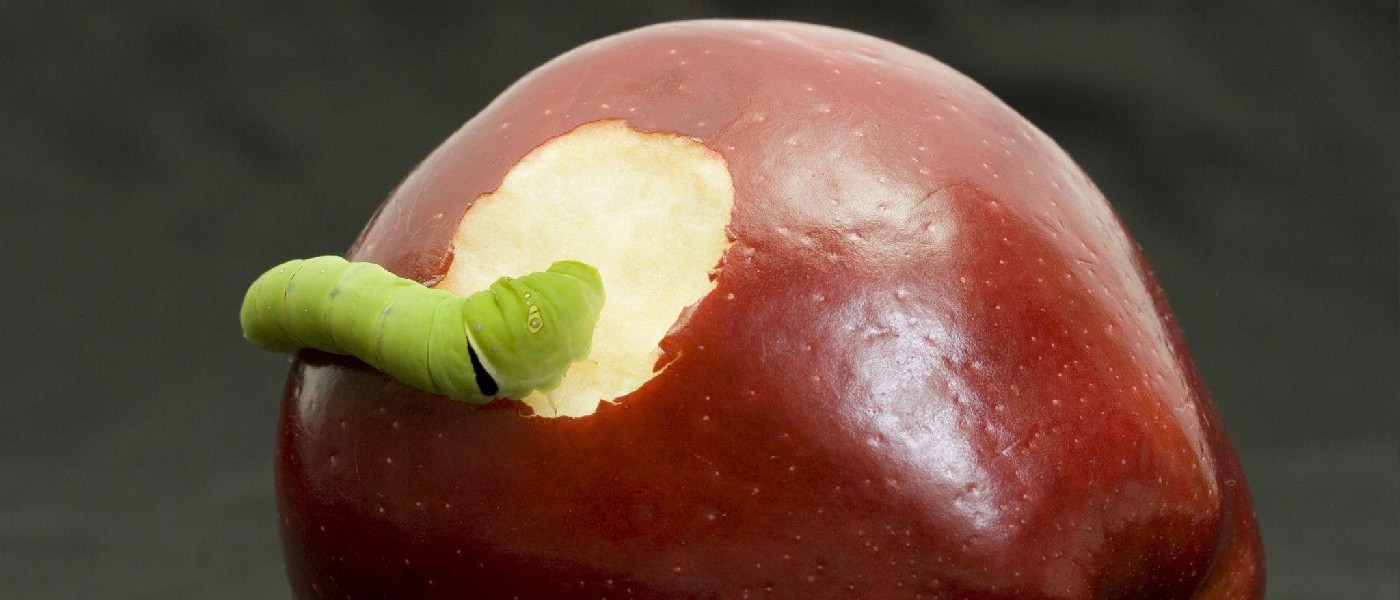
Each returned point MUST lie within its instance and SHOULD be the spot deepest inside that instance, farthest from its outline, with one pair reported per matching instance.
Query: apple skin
(934, 365)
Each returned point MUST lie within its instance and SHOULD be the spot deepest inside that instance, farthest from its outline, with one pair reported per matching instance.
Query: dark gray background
(155, 158)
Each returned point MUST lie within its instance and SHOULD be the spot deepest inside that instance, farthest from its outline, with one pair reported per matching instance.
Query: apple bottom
(388, 492)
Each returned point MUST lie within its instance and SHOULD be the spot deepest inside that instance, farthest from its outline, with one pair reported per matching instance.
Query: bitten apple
(869, 334)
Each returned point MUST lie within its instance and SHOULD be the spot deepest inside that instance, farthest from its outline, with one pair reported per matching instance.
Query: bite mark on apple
(649, 210)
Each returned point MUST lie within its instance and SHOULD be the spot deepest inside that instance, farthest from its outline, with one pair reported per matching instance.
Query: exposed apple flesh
(649, 211)
(932, 363)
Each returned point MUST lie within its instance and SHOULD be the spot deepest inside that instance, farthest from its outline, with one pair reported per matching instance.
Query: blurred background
(156, 156)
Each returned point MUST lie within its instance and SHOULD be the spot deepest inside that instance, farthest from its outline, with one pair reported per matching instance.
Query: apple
(869, 334)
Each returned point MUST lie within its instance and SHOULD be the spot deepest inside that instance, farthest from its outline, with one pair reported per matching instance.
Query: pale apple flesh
(932, 364)
(649, 211)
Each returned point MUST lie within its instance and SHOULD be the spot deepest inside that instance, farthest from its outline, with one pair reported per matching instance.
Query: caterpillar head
(524, 332)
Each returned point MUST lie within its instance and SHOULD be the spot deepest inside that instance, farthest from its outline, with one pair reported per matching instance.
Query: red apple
(896, 345)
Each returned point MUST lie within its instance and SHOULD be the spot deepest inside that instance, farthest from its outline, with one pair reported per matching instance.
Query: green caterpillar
(519, 335)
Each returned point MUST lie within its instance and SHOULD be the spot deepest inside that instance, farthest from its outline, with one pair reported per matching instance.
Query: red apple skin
(935, 366)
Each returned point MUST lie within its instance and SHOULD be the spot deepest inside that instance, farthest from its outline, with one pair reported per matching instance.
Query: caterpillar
(519, 335)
